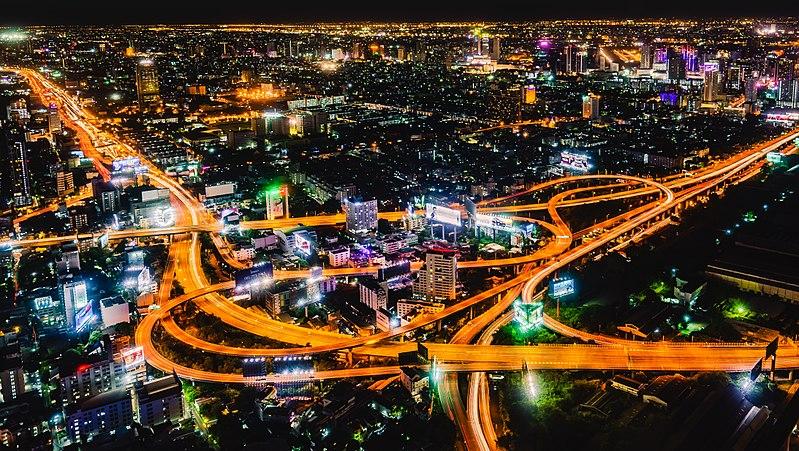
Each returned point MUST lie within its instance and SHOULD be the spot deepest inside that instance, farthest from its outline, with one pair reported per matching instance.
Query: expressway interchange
(662, 198)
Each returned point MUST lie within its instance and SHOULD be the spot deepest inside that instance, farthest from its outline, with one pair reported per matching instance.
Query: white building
(244, 253)
(339, 256)
(373, 293)
(437, 278)
(407, 306)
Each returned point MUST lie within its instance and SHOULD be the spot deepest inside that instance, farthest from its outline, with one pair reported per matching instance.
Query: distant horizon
(149, 12)
(412, 22)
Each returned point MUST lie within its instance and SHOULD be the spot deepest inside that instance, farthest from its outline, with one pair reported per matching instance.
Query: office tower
(53, 119)
(20, 176)
(771, 66)
(751, 88)
(788, 93)
(12, 378)
(420, 54)
(64, 182)
(357, 51)
(495, 48)
(529, 94)
(581, 61)
(361, 216)
(93, 378)
(159, 401)
(570, 59)
(106, 195)
(147, 83)
(591, 106)
(676, 67)
(711, 81)
(100, 414)
(734, 79)
(646, 56)
(437, 278)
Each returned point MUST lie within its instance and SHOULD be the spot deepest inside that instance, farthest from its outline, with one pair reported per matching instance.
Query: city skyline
(93, 12)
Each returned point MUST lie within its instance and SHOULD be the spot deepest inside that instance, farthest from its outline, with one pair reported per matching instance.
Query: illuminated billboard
(494, 222)
(84, 317)
(255, 276)
(132, 356)
(559, 288)
(302, 243)
(128, 165)
(575, 161)
(444, 215)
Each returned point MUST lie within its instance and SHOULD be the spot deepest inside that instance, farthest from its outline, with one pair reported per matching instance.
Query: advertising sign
(443, 214)
(493, 222)
(302, 244)
(133, 356)
(84, 317)
(224, 189)
(559, 288)
(256, 275)
(575, 161)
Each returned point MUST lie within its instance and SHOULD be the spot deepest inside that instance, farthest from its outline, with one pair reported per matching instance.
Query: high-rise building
(103, 413)
(751, 88)
(646, 56)
(147, 83)
(93, 378)
(20, 176)
(159, 401)
(495, 48)
(53, 119)
(373, 293)
(711, 81)
(676, 67)
(569, 53)
(17, 111)
(529, 94)
(581, 61)
(64, 182)
(12, 378)
(361, 216)
(591, 106)
(106, 195)
(437, 278)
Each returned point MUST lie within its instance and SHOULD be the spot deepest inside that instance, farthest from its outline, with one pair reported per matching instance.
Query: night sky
(22, 12)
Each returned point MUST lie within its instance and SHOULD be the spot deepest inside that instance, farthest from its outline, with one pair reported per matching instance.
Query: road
(460, 355)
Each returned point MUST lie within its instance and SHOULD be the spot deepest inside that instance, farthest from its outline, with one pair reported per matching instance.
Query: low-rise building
(339, 256)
